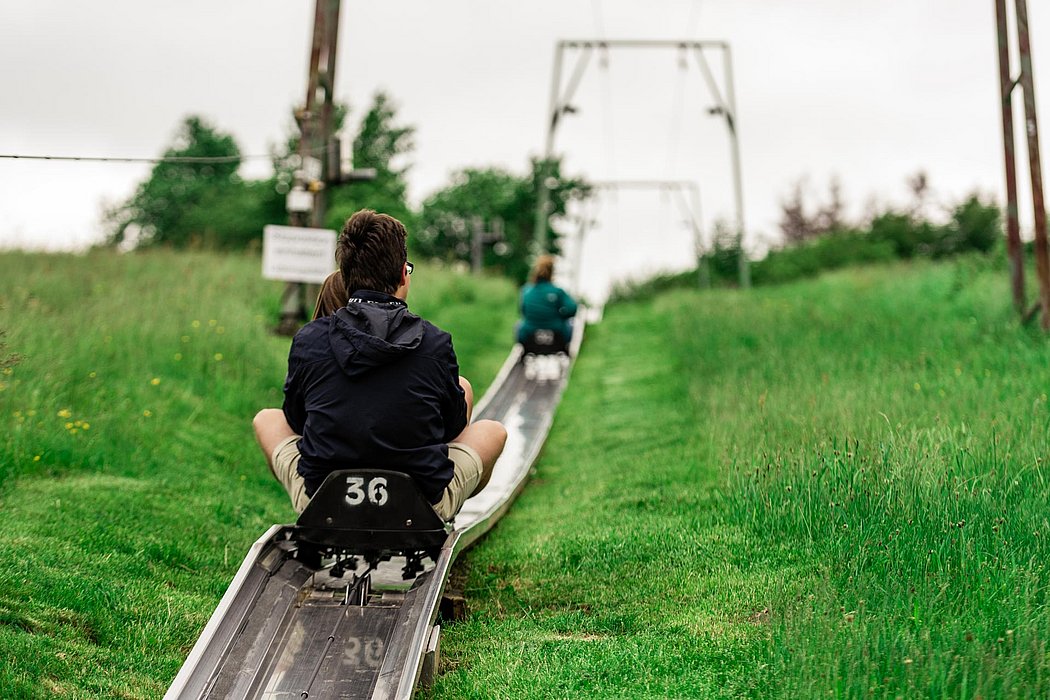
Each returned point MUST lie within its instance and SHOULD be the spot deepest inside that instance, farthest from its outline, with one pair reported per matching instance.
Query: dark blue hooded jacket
(374, 386)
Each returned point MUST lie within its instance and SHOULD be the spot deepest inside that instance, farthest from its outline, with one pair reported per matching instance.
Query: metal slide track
(283, 629)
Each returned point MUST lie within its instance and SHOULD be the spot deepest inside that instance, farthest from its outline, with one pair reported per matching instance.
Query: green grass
(130, 483)
(829, 489)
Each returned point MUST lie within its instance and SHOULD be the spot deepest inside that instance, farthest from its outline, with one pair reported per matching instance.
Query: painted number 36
(356, 492)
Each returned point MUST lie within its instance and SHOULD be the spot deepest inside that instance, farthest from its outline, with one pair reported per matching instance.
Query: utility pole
(320, 165)
(1013, 229)
(1042, 254)
(479, 237)
(1035, 169)
(307, 200)
(725, 106)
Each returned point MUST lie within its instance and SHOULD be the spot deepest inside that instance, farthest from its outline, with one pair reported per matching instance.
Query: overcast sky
(867, 91)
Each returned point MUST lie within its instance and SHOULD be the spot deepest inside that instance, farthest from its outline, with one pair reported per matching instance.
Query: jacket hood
(368, 334)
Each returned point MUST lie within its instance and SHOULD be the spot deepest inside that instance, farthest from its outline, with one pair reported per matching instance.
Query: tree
(491, 194)
(184, 202)
(919, 186)
(383, 144)
(798, 225)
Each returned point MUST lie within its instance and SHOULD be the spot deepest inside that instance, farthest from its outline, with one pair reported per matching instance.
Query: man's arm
(456, 412)
(294, 402)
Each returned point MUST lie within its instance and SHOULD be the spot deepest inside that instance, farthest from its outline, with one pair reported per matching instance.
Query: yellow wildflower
(147, 413)
(65, 413)
(155, 381)
(218, 357)
(196, 324)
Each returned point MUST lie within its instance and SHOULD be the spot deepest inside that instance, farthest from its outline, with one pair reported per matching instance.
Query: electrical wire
(607, 115)
(694, 16)
(599, 25)
(603, 65)
(103, 159)
(674, 131)
(163, 159)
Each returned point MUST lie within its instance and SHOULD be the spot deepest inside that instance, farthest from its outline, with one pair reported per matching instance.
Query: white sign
(294, 254)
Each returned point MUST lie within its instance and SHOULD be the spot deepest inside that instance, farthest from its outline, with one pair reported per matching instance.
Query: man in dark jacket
(375, 386)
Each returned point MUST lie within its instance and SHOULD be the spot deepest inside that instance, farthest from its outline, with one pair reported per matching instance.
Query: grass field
(130, 484)
(828, 489)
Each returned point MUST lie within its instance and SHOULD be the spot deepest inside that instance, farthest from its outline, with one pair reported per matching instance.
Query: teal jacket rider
(543, 305)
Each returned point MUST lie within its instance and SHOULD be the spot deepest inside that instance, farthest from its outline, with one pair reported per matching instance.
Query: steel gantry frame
(725, 105)
(687, 196)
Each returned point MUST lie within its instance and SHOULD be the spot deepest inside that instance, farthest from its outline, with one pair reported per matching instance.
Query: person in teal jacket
(544, 305)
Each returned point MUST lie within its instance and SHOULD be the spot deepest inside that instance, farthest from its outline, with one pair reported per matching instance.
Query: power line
(674, 132)
(694, 17)
(108, 159)
(599, 24)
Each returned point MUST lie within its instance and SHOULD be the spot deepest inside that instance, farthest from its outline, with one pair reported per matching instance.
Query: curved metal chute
(288, 629)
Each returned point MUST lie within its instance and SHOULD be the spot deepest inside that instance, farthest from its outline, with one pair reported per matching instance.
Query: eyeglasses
(409, 267)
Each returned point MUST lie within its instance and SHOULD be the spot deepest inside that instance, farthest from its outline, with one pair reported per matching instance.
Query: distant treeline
(187, 204)
(823, 241)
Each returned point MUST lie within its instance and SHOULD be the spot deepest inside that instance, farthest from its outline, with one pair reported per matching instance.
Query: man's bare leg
(271, 429)
(487, 437)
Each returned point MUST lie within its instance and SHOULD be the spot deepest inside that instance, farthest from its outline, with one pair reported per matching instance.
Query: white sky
(869, 91)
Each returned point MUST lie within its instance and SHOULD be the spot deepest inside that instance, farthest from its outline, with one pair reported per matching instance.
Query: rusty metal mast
(1026, 81)
(319, 164)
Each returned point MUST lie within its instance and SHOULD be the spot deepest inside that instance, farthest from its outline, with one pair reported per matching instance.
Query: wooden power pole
(1013, 237)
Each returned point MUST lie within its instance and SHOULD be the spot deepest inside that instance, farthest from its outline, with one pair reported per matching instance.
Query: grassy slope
(130, 484)
(834, 488)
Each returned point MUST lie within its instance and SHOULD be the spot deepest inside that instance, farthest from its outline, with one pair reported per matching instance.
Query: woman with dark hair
(332, 296)
(545, 306)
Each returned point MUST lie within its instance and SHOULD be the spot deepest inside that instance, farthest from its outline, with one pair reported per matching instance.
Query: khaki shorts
(466, 475)
(285, 463)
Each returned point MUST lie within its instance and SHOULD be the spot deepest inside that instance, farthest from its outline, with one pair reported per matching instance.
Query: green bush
(833, 251)
(907, 236)
(975, 225)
